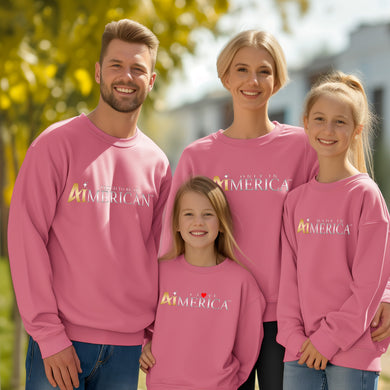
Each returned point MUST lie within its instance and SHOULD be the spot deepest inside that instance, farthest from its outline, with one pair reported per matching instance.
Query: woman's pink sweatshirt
(256, 175)
(335, 265)
(208, 327)
(84, 228)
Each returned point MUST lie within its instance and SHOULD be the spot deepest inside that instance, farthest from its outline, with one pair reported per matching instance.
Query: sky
(325, 28)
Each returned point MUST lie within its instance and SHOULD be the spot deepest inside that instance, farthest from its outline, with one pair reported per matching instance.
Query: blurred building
(368, 56)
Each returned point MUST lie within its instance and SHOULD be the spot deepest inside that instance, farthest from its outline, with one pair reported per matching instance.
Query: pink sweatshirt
(256, 175)
(84, 227)
(208, 327)
(335, 265)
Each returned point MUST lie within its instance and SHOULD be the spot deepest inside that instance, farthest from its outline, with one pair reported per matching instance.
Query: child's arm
(147, 359)
(312, 357)
(291, 333)
(370, 272)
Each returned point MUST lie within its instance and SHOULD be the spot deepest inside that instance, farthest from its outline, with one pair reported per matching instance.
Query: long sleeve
(33, 207)
(370, 271)
(85, 218)
(291, 332)
(335, 267)
(183, 171)
(249, 336)
(160, 206)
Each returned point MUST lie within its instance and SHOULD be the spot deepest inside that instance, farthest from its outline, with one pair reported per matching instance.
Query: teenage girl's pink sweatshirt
(83, 234)
(256, 175)
(208, 328)
(335, 265)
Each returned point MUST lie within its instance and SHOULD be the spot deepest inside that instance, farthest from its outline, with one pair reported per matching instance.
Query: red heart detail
(203, 295)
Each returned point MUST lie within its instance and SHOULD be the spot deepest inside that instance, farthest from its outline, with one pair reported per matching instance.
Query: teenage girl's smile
(330, 126)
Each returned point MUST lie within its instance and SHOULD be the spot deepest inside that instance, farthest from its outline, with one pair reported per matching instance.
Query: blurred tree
(47, 53)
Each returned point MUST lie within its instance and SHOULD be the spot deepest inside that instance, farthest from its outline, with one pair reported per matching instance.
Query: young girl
(207, 331)
(336, 254)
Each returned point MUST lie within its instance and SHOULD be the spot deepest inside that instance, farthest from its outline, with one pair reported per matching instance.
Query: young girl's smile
(330, 126)
(198, 221)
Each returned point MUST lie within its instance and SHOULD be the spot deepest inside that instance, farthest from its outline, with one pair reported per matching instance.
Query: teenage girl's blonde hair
(225, 244)
(258, 40)
(351, 89)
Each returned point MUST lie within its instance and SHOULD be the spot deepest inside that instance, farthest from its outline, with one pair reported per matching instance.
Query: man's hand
(62, 369)
(381, 319)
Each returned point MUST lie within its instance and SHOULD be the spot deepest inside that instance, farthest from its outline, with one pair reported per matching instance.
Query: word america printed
(109, 194)
(200, 300)
(253, 183)
(326, 226)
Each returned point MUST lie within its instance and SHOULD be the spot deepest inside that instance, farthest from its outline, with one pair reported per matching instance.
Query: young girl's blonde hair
(258, 40)
(351, 89)
(225, 244)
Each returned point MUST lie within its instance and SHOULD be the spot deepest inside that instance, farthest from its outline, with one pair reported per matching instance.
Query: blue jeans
(301, 377)
(104, 367)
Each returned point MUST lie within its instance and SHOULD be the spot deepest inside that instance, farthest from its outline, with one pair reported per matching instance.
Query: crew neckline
(320, 186)
(250, 142)
(202, 270)
(109, 139)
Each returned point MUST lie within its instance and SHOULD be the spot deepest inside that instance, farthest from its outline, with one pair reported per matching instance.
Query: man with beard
(83, 262)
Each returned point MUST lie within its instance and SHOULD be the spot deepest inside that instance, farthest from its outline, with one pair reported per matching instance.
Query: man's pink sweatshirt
(256, 175)
(335, 265)
(208, 327)
(84, 229)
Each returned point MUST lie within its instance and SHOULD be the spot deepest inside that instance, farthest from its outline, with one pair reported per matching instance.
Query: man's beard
(124, 106)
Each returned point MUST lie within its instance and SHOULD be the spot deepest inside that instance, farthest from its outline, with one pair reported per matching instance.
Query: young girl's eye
(241, 69)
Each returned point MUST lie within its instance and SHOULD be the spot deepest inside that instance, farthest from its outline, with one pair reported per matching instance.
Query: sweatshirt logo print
(253, 183)
(201, 300)
(327, 226)
(109, 194)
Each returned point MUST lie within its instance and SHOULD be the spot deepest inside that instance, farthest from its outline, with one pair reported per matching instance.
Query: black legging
(269, 365)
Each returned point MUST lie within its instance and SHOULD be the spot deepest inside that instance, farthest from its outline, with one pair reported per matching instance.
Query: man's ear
(97, 72)
(152, 80)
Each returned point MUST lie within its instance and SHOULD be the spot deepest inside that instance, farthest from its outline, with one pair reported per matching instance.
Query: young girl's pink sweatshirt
(84, 228)
(256, 175)
(208, 328)
(335, 265)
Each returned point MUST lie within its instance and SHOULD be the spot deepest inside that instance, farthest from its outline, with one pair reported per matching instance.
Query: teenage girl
(207, 331)
(256, 162)
(336, 250)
